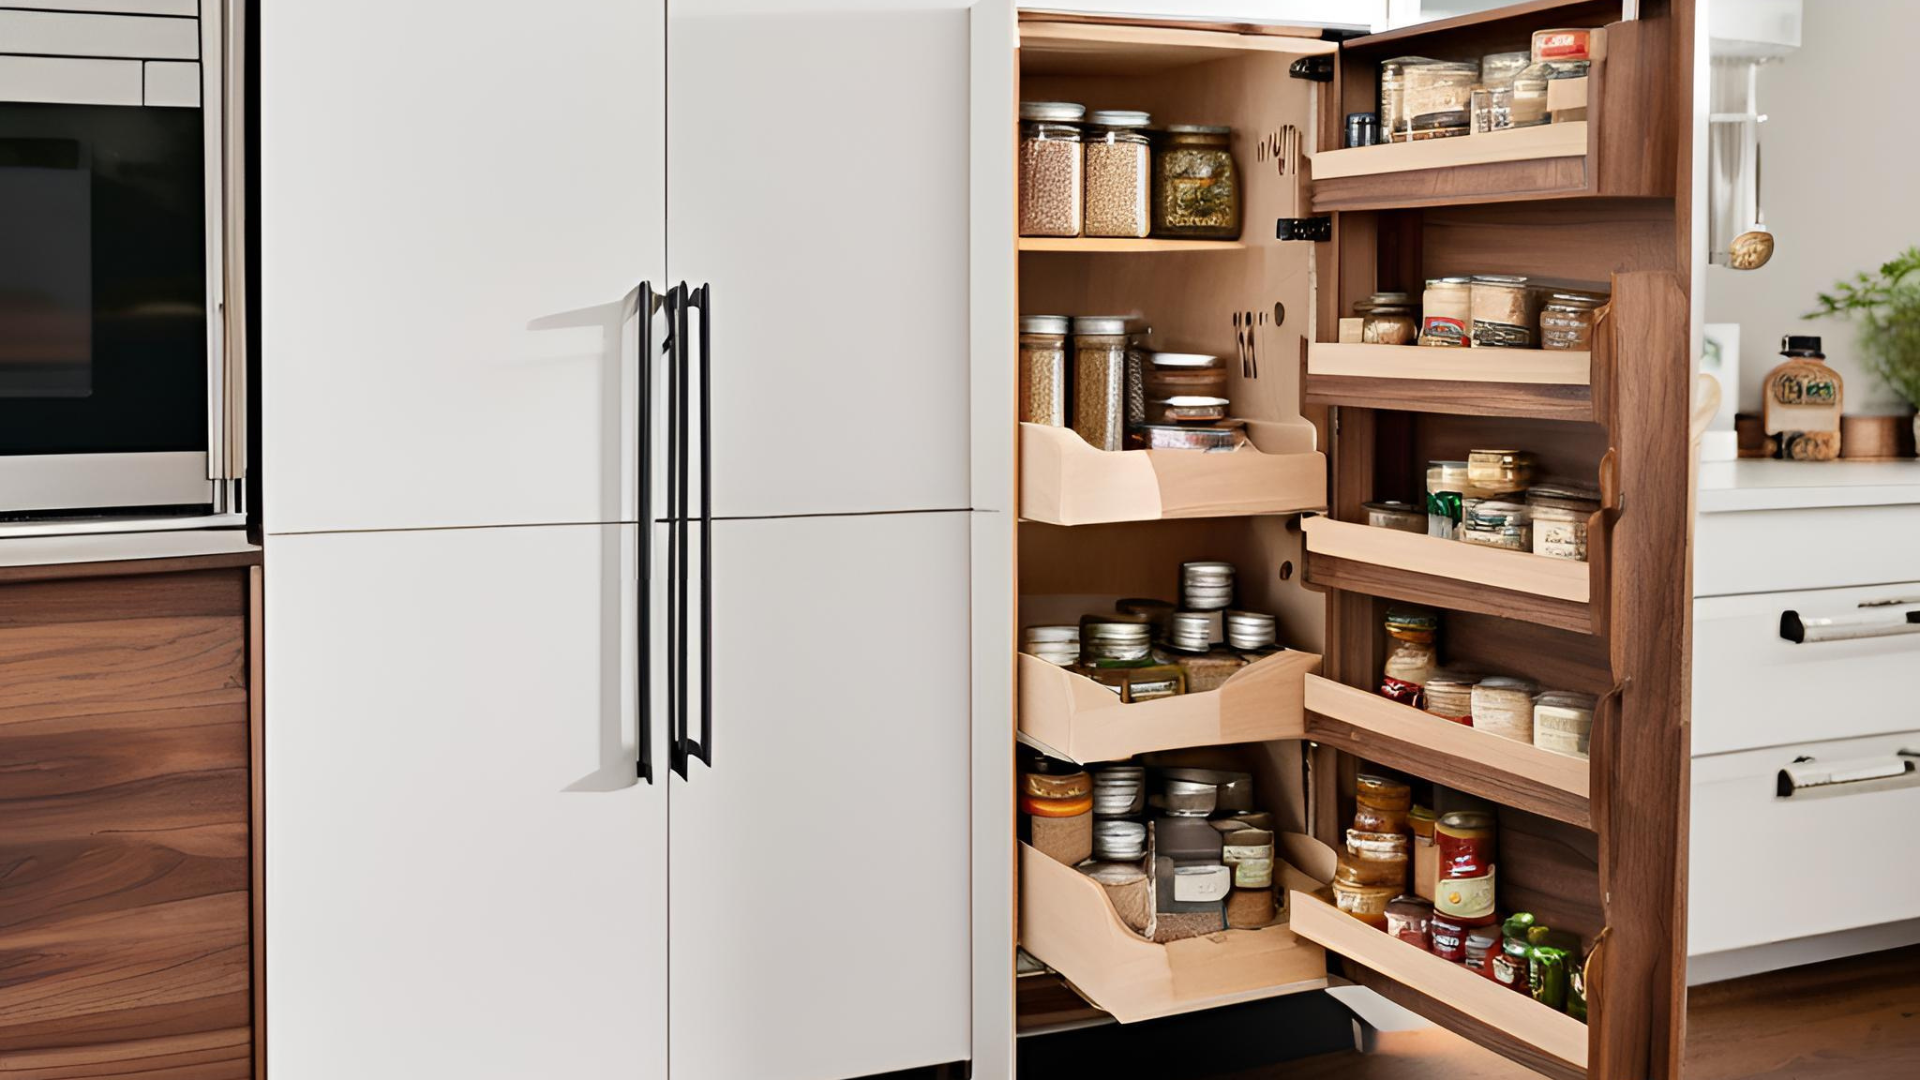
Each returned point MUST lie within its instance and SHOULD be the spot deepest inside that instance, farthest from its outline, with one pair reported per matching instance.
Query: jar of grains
(1504, 707)
(1196, 188)
(1560, 519)
(1389, 320)
(1505, 312)
(1566, 320)
(1563, 722)
(1043, 370)
(1050, 168)
(1445, 313)
(1119, 172)
(1100, 380)
(1393, 95)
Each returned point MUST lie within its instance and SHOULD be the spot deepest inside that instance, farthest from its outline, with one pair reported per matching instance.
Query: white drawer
(63, 33)
(187, 8)
(1768, 868)
(1753, 688)
(1814, 548)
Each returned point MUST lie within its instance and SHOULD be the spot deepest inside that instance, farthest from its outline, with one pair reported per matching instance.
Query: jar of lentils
(1043, 370)
(1100, 380)
(1196, 188)
(1119, 168)
(1051, 169)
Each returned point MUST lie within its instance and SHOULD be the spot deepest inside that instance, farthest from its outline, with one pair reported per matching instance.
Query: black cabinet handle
(649, 302)
(702, 298)
(677, 507)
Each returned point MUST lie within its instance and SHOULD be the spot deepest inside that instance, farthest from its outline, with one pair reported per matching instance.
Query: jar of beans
(1050, 168)
(1119, 168)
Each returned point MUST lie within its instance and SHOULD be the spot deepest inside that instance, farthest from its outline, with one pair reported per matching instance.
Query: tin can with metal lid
(1252, 630)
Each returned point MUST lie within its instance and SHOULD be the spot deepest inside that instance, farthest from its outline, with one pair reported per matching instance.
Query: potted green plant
(1886, 306)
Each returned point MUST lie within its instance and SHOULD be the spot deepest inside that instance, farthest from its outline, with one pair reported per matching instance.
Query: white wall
(1838, 163)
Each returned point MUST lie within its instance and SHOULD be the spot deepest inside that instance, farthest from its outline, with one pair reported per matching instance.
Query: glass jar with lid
(1051, 168)
(1505, 312)
(1119, 174)
(1446, 496)
(1445, 313)
(1566, 320)
(1563, 722)
(1504, 706)
(1497, 523)
(1196, 186)
(1388, 319)
(1436, 96)
(1395, 515)
(1561, 516)
(1411, 655)
(1100, 380)
(1043, 370)
(1498, 472)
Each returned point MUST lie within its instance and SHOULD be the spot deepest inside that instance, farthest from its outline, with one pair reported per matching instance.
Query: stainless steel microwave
(123, 401)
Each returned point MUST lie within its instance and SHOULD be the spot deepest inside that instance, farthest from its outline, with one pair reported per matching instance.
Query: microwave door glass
(46, 273)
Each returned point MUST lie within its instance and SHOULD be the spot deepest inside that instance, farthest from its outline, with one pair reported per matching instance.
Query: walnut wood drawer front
(124, 811)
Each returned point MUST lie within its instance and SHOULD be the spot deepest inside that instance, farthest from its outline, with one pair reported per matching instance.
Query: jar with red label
(1465, 890)
(1483, 944)
(1444, 323)
(1449, 937)
(1409, 918)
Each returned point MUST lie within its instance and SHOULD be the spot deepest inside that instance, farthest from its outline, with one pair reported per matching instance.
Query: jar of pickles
(1043, 370)
(1196, 186)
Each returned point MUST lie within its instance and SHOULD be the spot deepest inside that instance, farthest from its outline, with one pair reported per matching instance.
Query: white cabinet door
(464, 878)
(818, 164)
(457, 198)
(819, 865)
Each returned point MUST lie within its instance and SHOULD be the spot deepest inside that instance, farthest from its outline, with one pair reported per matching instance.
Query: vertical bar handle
(702, 298)
(677, 509)
(646, 305)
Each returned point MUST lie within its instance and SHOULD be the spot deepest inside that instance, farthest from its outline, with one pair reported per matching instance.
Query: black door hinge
(1317, 68)
(1318, 229)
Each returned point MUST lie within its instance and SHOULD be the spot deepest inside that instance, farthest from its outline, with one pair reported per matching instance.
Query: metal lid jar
(1252, 630)
(1100, 344)
(1051, 168)
(1388, 319)
(1107, 640)
(1505, 312)
(1119, 174)
(1206, 585)
(1566, 320)
(1196, 186)
(1057, 645)
(1043, 370)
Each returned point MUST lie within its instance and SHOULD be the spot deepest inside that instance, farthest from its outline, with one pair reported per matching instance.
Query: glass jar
(1043, 370)
(1389, 320)
(1388, 869)
(1530, 96)
(1191, 632)
(1157, 612)
(1465, 842)
(1561, 516)
(1505, 312)
(1563, 722)
(1369, 846)
(1119, 171)
(1398, 516)
(1410, 654)
(1483, 944)
(1380, 804)
(1504, 707)
(1368, 903)
(1207, 669)
(1446, 498)
(1436, 97)
(1196, 187)
(1407, 919)
(1449, 695)
(1566, 69)
(1171, 375)
(1449, 936)
(1057, 645)
(1207, 586)
(1499, 472)
(1445, 313)
(1119, 791)
(1566, 320)
(1051, 168)
(1498, 70)
(1141, 682)
(1497, 523)
(1100, 380)
(1393, 96)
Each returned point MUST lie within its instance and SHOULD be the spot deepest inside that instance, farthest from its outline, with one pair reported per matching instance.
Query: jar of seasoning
(1446, 485)
(1252, 633)
(1368, 846)
(1563, 722)
(1207, 586)
(1388, 320)
(1449, 695)
(1249, 854)
(1207, 668)
(1530, 96)
(1100, 380)
(1566, 320)
(1426, 857)
(1387, 870)
(1505, 312)
(1483, 944)
(1410, 654)
(1503, 706)
(1196, 187)
(1043, 370)
(1057, 645)
(1368, 903)
(1446, 313)
(1498, 70)
(1363, 129)
(1449, 936)
(1561, 516)
(1106, 640)
(1050, 168)
(1059, 811)
(1436, 96)
(1380, 804)
(1398, 516)
(1119, 174)
(1497, 523)
(1492, 109)
(1408, 918)
(1498, 472)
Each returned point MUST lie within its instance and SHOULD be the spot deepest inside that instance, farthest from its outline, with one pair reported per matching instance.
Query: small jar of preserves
(1388, 870)
(1465, 840)
(1408, 918)
(1448, 935)
(1119, 172)
(1380, 804)
(1563, 722)
(1411, 655)
(1445, 313)
(1567, 318)
(1449, 695)
(1399, 516)
(1368, 903)
(1043, 370)
(1388, 319)
(1100, 380)
(1497, 523)
(1051, 168)
(1498, 472)
(1504, 706)
(1196, 186)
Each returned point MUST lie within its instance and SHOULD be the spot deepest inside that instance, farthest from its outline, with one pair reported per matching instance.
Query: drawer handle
(1807, 630)
(1808, 778)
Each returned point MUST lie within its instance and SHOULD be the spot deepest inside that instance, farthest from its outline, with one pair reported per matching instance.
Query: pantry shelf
(1074, 717)
(1064, 481)
(1470, 1004)
(1094, 245)
(1068, 923)
(1532, 162)
(1513, 773)
(1527, 383)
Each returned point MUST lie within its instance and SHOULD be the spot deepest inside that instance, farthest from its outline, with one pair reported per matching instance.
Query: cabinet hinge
(1304, 228)
(1316, 68)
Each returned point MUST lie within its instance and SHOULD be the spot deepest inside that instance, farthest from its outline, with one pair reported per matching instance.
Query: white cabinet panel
(818, 162)
(457, 205)
(70, 33)
(819, 867)
(70, 80)
(464, 877)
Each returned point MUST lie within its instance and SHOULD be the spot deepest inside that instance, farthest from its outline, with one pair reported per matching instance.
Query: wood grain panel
(1448, 593)
(1586, 240)
(128, 665)
(1464, 1025)
(211, 594)
(204, 1055)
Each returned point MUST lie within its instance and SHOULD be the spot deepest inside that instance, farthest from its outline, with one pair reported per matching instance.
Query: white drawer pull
(1807, 629)
(1808, 778)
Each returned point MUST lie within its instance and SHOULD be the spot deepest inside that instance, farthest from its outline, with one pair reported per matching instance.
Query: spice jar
(1398, 516)
(1050, 168)
(1436, 96)
(1252, 632)
(1505, 312)
(1207, 586)
(1043, 370)
(1363, 129)
(1426, 857)
(1504, 707)
(1119, 170)
(1389, 870)
(1446, 485)
(1115, 639)
(1119, 841)
(1058, 645)
(1563, 722)
(1380, 804)
(1249, 854)
(1100, 380)
(1449, 695)
(1465, 890)
(1566, 320)
(1407, 919)
(1446, 312)
(1119, 791)
(1497, 523)
(1207, 668)
(1410, 654)
(1388, 320)
(1058, 805)
(1196, 187)
(1560, 520)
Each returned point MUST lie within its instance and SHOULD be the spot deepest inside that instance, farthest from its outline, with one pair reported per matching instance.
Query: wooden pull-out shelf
(1516, 774)
(1068, 923)
(1083, 245)
(1064, 481)
(1473, 1005)
(1528, 383)
(1073, 717)
(1541, 162)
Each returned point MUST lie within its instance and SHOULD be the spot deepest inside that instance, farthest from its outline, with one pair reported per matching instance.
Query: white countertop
(118, 547)
(1760, 484)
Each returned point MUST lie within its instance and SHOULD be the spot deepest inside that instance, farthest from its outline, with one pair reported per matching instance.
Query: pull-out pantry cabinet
(1592, 846)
